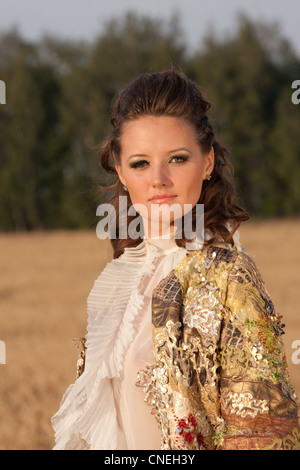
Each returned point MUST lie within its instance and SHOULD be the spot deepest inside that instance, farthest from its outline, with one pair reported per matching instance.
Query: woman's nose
(160, 176)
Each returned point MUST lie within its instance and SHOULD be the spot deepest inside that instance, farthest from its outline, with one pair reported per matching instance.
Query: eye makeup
(138, 164)
(182, 158)
(142, 163)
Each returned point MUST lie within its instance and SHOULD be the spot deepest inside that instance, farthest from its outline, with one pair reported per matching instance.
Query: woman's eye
(145, 163)
(138, 164)
(179, 158)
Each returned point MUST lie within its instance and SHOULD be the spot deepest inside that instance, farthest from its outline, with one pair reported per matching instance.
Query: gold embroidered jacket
(220, 378)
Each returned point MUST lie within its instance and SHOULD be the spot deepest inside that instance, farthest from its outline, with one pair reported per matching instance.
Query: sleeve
(257, 401)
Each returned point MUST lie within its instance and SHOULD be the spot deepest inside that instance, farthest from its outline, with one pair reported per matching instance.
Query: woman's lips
(161, 198)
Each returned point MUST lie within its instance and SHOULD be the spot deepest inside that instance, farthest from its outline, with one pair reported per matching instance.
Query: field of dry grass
(45, 281)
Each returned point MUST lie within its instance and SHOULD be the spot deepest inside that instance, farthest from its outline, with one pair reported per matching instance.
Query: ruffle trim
(87, 410)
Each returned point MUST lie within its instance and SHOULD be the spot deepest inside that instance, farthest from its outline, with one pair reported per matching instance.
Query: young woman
(184, 348)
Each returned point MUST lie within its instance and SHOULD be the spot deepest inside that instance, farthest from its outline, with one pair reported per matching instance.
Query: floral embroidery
(243, 404)
(202, 308)
(269, 355)
(220, 435)
(187, 433)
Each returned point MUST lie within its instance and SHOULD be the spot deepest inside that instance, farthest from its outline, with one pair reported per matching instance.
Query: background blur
(62, 65)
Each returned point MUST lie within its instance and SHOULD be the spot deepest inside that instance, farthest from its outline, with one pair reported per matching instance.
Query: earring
(208, 177)
(125, 187)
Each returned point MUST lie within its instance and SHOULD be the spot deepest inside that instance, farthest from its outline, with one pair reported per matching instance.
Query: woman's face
(162, 163)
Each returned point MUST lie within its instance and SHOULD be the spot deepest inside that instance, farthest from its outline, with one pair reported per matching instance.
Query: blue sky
(77, 19)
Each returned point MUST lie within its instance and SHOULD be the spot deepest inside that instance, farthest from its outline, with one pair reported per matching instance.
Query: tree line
(58, 100)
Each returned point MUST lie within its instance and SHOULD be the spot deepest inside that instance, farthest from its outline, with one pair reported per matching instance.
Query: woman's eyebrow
(138, 155)
(170, 151)
(179, 149)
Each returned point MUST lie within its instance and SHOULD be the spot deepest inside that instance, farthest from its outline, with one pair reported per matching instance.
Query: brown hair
(171, 93)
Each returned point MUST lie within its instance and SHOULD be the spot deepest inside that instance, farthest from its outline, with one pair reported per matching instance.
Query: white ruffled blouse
(104, 409)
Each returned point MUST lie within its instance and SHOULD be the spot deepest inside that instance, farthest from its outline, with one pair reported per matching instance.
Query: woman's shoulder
(217, 262)
(212, 255)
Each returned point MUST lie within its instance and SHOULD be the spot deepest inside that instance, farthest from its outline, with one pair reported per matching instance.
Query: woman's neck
(157, 231)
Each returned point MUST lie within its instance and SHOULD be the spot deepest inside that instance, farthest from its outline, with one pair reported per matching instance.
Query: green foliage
(248, 79)
(58, 103)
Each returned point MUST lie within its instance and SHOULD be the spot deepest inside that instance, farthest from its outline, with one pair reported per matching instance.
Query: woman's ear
(210, 161)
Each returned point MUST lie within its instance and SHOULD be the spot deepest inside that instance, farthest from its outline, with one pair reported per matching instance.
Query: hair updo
(171, 93)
